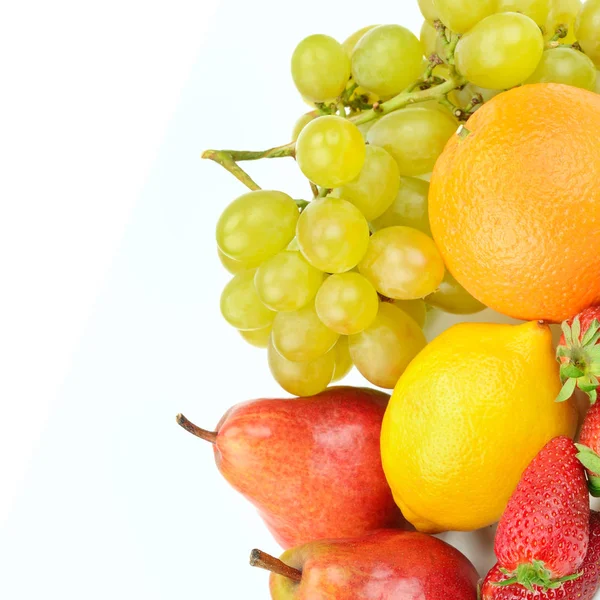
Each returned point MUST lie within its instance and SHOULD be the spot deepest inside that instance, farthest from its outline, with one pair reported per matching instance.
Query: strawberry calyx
(580, 360)
(591, 461)
(534, 574)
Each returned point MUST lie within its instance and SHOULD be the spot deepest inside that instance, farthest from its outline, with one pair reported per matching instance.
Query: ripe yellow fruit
(467, 416)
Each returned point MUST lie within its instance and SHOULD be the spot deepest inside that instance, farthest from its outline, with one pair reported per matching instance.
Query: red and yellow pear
(385, 565)
(311, 466)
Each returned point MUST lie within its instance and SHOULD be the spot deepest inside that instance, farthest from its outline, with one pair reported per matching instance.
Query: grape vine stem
(223, 158)
(229, 158)
(405, 98)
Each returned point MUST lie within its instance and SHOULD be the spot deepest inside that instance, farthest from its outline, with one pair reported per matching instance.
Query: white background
(109, 321)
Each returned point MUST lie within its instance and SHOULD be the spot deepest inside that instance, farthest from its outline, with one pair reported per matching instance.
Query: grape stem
(240, 155)
(434, 61)
(405, 98)
(459, 113)
(229, 158)
(449, 40)
(476, 100)
(224, 159)
(561, 32)
(441, 29)
(450, 48)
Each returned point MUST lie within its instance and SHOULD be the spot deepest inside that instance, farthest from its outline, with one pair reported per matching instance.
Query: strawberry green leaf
(556, 583)
(566, 329)
(567, 390)
(535, 574)
(582, 447)
(592, 354)
(594, 485)
(576, 331)
(569, 370)
(594, 340)
(587, 384)
(588, 458)
(592, 331)
(593, 396)
(563, 351)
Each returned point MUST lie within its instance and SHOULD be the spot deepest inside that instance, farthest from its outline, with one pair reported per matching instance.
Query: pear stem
(262, 560)
(203, 434)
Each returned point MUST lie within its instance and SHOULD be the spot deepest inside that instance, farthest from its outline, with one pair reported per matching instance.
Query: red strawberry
(589, 448)
(582, 588)
(579, 354)
(542, 537)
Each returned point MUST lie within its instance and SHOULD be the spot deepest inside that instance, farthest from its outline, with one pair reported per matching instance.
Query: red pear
(386, 565)
(311, 466)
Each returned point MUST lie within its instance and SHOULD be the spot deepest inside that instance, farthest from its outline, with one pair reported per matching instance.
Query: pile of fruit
(453, 172)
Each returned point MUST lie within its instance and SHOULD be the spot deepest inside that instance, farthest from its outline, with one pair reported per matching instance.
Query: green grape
(320, 68)
(587, 30)
(302, 378)
(257, 225)
(333, 235)
(375, 188)
(461, 15)
(287, 282)
(435, 105)
(349, 46)
(364, 128)
(293, 245)
(259, 338)
(501, 51)
(403, 263)
(538, 10)
(347, 303)
(428, 10)
(417, 309)
(234, 266)
(470, 91)
(387, 59)
(452, 297)
(430, 40)
(442, 71)
(343, 362)
(563, 13)
(301, 336)
(330, 151)
(565, 65)
(414, 136)
(383, 351)
(304, 120)
(350, 43)
(410, 208)
(241, 305)
(598, 82)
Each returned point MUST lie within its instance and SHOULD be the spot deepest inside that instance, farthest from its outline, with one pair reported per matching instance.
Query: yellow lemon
(467, 416)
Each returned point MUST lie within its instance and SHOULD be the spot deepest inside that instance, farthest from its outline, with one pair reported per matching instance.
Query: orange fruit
(514, 202)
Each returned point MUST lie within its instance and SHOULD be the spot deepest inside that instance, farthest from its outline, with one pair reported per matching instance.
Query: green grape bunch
(348, 278)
